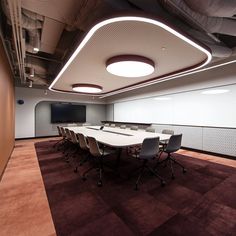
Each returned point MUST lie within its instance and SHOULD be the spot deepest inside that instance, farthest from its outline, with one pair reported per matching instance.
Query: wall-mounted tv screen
(67, 113)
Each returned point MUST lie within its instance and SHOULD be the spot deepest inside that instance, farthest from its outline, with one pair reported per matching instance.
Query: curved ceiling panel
(171, 52)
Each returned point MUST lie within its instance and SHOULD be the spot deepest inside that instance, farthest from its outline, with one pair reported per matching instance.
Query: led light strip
(127, 18)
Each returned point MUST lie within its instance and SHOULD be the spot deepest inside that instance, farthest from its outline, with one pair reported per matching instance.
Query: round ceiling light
(130, 66)
(87, 88)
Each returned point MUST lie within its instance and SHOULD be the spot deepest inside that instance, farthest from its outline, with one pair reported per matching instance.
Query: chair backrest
(134, 127)
(123, 126)
(106, 124)
(68, 135)
(82, 142)
(150, 129)
(59, 130)
(174, 143)
(73, 136)
(113, 125)
(93, 147)
(63, 132)
(150, 148)
(167, 131)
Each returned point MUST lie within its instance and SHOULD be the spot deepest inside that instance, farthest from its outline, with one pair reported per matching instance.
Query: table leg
(118, 158)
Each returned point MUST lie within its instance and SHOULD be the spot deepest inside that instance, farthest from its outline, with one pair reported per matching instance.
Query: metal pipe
(43, 58)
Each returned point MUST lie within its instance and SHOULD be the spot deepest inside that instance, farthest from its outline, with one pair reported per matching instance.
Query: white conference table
(116, 137)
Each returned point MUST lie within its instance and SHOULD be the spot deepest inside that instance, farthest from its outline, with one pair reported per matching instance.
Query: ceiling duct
(34, 41)
(27, 20)
(218, 8)
(205, 25)
(23, 21)
(38, 65)
(39, 80)
(12, 10)
(211, 24)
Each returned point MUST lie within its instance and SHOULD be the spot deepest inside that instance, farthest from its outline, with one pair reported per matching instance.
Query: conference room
(117, 111)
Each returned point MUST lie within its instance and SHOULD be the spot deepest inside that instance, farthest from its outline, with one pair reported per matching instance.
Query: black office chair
(173, 145)
(149, 151)
(96, 152)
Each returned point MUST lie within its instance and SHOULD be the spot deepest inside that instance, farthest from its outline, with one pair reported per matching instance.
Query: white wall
(109, 112)
(25, 114)
(184, 108)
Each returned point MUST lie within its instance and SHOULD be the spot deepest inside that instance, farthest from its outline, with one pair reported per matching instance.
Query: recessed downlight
(86, 88)
(130, 66)
(215, 91)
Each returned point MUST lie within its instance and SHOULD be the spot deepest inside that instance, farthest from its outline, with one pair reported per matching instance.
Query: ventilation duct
(21, 21)
(206, 24)
(211, 24)
(29, 21)
(218, 8)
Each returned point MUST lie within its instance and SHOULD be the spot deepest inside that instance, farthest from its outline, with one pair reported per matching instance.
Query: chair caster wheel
(75, 170)
(136, 188)
(84, 178)
(163, 183)
(99, 183)
(184, 170)
(172, 177)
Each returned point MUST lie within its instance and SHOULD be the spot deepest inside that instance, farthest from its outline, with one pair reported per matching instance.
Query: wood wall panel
(7, 111)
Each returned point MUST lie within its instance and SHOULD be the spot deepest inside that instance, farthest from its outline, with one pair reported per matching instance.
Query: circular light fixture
(87, 88)
(130, 66)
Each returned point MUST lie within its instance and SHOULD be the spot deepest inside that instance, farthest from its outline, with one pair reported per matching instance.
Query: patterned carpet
(200, 202)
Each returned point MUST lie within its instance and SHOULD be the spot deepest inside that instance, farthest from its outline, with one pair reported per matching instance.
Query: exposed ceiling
(58, 27)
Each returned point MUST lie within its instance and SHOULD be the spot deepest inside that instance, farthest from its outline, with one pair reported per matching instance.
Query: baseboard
(25, 138)
(210, 153)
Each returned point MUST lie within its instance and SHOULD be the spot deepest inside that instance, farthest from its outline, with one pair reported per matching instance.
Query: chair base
(170, 160)
(143, 167)
(98, 168)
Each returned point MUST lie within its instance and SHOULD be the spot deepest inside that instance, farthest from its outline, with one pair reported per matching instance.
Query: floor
(24, 206)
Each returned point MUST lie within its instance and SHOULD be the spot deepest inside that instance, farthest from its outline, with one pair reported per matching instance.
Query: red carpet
(200, 202)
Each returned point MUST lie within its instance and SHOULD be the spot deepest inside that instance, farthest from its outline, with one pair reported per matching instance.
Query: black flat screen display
(67, 113)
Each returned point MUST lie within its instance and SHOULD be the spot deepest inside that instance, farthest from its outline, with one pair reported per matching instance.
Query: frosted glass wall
(186, 108)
